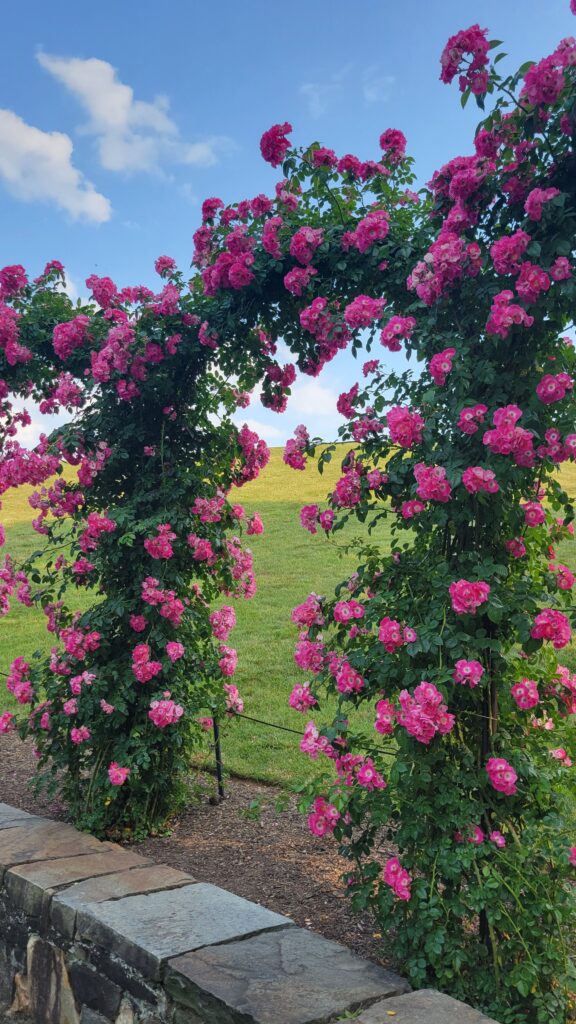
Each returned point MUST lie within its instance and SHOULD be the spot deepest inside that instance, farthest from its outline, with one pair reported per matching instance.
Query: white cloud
(309, 397)
(377, 87)
(131, 135)
(37, 166)
(319, 94)
(29, 435)
(265, 430)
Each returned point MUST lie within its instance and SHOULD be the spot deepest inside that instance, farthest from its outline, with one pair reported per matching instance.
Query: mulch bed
(268, 856)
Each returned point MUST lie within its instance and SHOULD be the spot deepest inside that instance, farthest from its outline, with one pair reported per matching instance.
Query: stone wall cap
(148, 930)
(31, 885)
(104, 888)
(426, 1006)
(7, 811)
(291, 976)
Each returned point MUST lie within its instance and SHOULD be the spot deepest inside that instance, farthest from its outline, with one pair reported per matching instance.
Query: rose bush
(450, 643)
(146, 515)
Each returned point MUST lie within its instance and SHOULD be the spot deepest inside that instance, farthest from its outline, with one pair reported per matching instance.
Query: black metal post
(218, 755)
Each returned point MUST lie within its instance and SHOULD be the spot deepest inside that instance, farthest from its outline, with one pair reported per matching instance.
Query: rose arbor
(451, 641)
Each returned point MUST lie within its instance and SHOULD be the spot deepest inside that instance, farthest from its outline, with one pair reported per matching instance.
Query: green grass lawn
(289, 562)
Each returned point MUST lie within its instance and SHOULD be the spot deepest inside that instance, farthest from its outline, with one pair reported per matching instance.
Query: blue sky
(117, 119)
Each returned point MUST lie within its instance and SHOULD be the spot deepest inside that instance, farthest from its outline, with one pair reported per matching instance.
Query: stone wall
(94, 934)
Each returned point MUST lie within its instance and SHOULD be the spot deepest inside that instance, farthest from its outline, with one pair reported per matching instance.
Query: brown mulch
(265, 854)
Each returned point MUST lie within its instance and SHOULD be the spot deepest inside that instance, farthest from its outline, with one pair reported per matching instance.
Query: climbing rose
(534, 513)
(368, 777)
(223, 622)
(295, 448)
(564, 577)
(309, 517)
(471, 41)
(535, 201)
(471, 417)
(274, 145)
(385, 714)
(504, 314)
(409, 509)
(165, 712)
(301, 697)
(432, 483)
(374, 227)
(497, 838)
(234, 702)
(396, 328)
(552, 625)
(312, 743)
(502, 775)
(397, 878)
(516, 547)
(7, 722)
(440, 365)
(117, 775)
(469, 673)
(80, 735)
(228, 661)
(309, 613)
(363, 310)
(424, 713)
(174, 650)
(304, 243)
(346, 610)
(323, 818)
(165, 265)
(255, 525)
(391, 634)
(526, 694)
(467, 597)
(160, 546)
(507, 252)
(477, 479)
(553, 387)
(531, 281)
(393, 142)
(12, 280)
(405, 426)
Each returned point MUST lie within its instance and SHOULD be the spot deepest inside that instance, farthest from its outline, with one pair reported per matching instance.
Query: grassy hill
(289, 562)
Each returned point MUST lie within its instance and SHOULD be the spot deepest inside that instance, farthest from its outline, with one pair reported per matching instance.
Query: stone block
(122, 974)
(11, 816)
(424, 1007)
(88, 1016)
(126, 1013)
(39, 839)
(112, 887)
(91, 989)
(147, 930)
(6, 811)
(7, 972)
(51, 997)
(15, 822)
(290, 976)
(30, 886)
